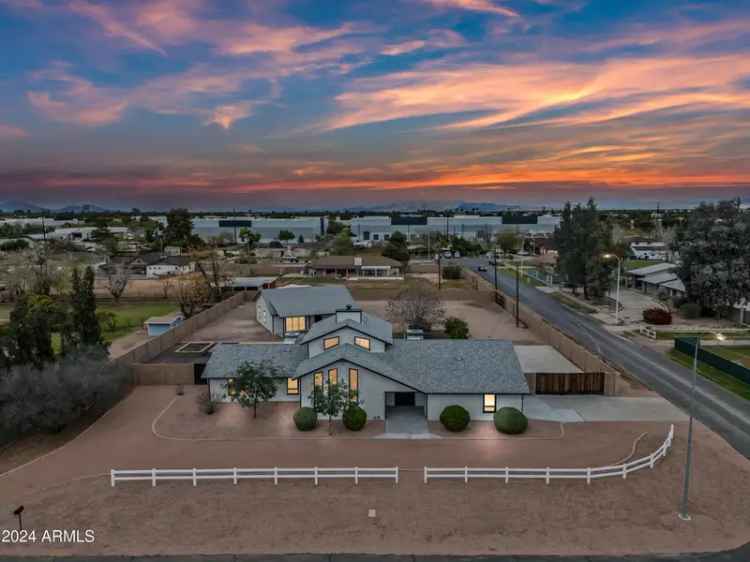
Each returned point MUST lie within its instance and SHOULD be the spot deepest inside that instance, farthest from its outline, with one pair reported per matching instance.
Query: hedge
(510, 421)
(306, 419)
(658, 316)
(455, 418)
(354, 418)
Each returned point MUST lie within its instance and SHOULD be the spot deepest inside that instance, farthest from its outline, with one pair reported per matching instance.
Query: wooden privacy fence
(547, 474)
(315, 473)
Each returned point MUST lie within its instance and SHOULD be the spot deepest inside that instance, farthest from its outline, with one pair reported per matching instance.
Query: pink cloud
(226, 115)
(11, 132)
(486, 6)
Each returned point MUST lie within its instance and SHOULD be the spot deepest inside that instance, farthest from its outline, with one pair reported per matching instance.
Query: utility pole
(683, 514)
(518, 294)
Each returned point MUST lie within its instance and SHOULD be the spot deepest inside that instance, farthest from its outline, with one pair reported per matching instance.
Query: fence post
(624, 471)
(316, 475)
(195, 477)
(588, 475)
(112, 477)
(275, 475)
(547, 476)
(425, 475)
(396, 475)
(234, 475)
(651, 460)
(466, 475)
(356, 476)
(507, 474)
(153, 477)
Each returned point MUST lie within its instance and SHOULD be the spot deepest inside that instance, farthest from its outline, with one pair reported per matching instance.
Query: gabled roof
(436, 366)
(651, 269)
(659, 278)
(370, 326)
(307, 301)
(675, 285)
(226, 357)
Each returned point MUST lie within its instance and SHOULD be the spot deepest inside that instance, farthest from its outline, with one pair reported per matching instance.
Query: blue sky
(302, 103)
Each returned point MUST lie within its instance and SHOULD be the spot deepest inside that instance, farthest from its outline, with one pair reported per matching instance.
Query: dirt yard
(486, 320)
(238, 325)
(70, 489)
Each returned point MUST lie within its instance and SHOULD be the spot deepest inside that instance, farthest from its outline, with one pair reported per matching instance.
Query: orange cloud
(226, 115)
(486, 6)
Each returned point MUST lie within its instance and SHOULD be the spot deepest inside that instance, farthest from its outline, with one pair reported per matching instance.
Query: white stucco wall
(346, 335)
(436, 403)
(372, 388)
(218, 391)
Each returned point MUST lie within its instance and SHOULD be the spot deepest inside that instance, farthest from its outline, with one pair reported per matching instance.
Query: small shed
(157, 325)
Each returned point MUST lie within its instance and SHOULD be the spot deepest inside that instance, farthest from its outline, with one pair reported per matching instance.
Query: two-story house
(358, 349)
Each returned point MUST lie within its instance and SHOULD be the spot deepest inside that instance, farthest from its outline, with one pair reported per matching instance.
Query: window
(231, 390)
(488, 404)
(318, 378)
(292, 386)
(294, 324)
(328, 343)
(364, 343)
(353, 383)
(333, 376)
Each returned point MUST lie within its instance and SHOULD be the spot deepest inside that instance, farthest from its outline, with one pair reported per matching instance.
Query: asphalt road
(722, 411)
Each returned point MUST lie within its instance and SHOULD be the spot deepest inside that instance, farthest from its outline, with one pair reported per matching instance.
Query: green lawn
(738, 354)
(129, 317)
(713, 374)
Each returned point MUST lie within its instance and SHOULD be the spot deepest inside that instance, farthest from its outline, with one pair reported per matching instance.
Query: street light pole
(617, 293)
(683, 514)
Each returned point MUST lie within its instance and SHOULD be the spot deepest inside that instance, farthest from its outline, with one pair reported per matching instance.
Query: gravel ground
(612, 516)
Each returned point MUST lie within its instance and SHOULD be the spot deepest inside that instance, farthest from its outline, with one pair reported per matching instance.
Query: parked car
(481, 268)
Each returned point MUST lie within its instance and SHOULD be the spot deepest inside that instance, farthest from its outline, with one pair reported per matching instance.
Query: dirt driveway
(486, 320)
(238, 325)
(70, 489)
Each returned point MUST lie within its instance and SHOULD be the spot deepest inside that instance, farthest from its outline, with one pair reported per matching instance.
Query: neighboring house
(140, 262)
(170, 265)
(355, 266)
(635, 277)
(290, 311)
(358, 349)
(251, 283)
(650, 250)
(157, 325)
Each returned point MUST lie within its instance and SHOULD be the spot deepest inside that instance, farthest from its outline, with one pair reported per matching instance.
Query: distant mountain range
(14, 206)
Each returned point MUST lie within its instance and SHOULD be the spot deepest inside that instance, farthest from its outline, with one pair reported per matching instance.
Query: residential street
(725, 413)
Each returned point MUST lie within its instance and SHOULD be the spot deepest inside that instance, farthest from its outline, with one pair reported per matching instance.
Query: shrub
(456, 329)
(658, 316)
(690, 310)
(452, 272)
(205, 403)
(107, 320)
(355, 418)
(306, 419)
(455, 418)
(510, 421)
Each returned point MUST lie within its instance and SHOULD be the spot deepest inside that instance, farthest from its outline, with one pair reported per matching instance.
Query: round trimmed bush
(354, 418)
(306, 419)
(510, 421)
(455, 418)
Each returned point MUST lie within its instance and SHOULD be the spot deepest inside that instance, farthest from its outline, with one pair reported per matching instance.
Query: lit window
(292, 386)
(364, 343)
(353, 383)
(294, 324)
(318, 378)
(328, 343)
(333, 376)
(231, 391)
(488, 404)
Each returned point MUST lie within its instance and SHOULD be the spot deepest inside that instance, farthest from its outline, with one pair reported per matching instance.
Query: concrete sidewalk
(571, 409)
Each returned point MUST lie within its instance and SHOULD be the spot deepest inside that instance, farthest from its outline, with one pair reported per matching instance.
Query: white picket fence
(547, 474)
(315, 473)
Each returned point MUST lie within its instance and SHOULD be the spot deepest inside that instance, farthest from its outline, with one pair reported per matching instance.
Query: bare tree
(167, 286)
(192, 294)
(117, 280)
(417, 305)
(214, 276)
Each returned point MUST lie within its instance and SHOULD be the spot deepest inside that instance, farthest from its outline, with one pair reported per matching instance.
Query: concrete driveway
(571, 409)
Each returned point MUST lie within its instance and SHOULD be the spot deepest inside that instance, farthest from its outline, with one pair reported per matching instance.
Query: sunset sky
(287, 103)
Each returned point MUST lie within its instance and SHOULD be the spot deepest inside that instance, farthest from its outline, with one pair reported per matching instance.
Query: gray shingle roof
(225, 358)
(651, 269)
(659, 278)
(436, 366)
(370, 326)
(307, 301)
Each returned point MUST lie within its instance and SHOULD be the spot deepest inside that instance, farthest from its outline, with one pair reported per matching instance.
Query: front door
(404, 399)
